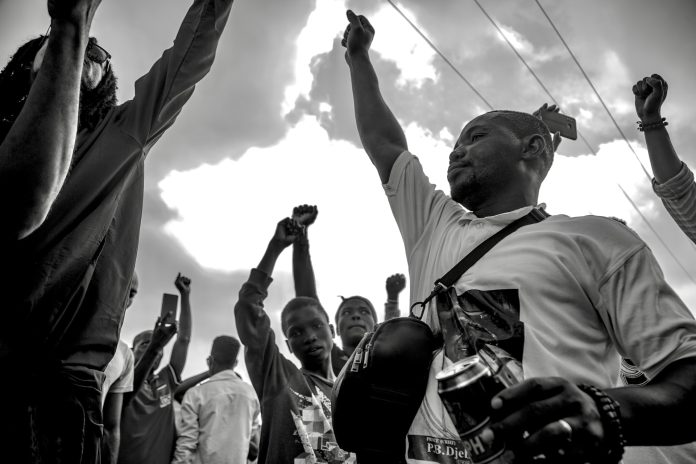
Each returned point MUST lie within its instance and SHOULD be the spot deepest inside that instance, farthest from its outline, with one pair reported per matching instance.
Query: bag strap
(446, 281)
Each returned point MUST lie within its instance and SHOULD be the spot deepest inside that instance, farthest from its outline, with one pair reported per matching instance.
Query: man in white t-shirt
(565, 297)
(118, 379)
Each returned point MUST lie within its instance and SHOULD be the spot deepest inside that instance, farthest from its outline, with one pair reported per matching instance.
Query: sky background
(272, 127)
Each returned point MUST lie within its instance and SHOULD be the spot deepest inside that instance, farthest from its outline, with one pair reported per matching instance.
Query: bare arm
(112, 427)
(36, 153)
(650, 93)
(395, 285)
(183, 338)
(164, 331)
(186, 384)
(302, 269)
(380, 132)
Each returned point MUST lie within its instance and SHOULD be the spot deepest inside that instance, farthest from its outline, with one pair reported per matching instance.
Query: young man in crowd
(118, 380)
(221, 418)
(355, 315)
(68, 258)
(578, 293)
(147, 424)
(295, 403)
(673, 181)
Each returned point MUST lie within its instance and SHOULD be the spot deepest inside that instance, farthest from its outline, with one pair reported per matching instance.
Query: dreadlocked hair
(15, 83)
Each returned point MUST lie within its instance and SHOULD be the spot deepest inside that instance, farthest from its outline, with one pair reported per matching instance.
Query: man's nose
(457, 154)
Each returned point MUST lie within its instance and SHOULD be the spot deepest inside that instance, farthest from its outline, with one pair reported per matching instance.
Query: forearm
(380, 132)
(110, 445)
(391, 308)
(302, 269)
(663, 159)
(186, 384)
(183, 338)
(143, 367)
(36, 153)
(654, 414)
(268, 261)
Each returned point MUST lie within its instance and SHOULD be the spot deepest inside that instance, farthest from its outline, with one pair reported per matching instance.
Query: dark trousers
(52, 417)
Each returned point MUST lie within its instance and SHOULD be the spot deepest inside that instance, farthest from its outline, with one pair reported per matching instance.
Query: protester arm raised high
(380, 132)
(36, 153)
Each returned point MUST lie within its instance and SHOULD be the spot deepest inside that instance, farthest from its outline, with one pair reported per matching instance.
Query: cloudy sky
(272, 127)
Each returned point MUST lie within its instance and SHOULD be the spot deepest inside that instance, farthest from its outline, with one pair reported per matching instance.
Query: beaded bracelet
(610, 414)
(653, 125)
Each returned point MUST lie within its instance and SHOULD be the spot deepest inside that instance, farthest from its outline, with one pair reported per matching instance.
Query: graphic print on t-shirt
(313, 428)
(484, 319)
(488, 324)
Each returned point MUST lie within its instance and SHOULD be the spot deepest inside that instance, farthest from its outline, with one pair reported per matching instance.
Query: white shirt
(218, 419)
(119, 372)
(587, 291)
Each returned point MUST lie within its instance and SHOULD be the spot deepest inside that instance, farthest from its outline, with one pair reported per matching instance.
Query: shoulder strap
(446, 281)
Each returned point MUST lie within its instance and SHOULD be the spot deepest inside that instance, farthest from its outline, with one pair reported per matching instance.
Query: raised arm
(673, 182)
(183, 338)
(395, 285)
(164, 331)
(36, 152)
(161, 93)
(302, 269)
(650, 93)
(380, 132)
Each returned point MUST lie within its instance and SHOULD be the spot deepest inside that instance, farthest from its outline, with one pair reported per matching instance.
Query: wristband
(610, 413)
(653, 125)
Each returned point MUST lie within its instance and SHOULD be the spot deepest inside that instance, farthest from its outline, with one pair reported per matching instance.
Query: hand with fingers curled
(650, 93)
(553, 109)
(549, 419)
(165, 329)
(358, 35)
(305, 215)
(287, 231)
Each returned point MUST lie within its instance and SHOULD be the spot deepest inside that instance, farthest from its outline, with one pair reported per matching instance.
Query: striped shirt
(679, 197)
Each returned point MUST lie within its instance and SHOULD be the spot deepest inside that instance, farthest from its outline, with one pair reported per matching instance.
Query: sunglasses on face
(93, 52)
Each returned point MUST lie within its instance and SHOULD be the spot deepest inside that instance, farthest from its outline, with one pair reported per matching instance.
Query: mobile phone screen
(170, 303)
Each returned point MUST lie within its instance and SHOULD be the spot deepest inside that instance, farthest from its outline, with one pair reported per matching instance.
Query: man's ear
(288, 344)
(333, 332)
(534, 147)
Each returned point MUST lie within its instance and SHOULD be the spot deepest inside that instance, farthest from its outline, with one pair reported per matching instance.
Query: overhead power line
(546, 90)
(436, 50)
(480, 95)
(587, 78)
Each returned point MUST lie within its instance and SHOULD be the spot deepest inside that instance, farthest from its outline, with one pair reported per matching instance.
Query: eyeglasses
(93, 52)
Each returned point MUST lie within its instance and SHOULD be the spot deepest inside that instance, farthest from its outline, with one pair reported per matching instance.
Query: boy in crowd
(147, 424)
(355, 315)
(295, 403)
(220, 419)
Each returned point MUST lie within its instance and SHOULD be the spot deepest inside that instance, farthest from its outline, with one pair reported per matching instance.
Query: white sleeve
(414, 201)
(650, 324)
(187, 441)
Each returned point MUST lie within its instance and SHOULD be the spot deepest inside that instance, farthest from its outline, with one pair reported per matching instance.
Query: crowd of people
(579, 304)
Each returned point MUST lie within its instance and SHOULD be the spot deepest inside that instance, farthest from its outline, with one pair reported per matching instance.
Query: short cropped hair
(298, 303)
(145, 334)
(525, 124)
(356, 297)
(225, 350)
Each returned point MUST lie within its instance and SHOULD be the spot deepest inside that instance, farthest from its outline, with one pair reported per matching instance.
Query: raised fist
(287, 231)
(305, 215)
(650, 93)
(395, 285)
(358, 34)
(183, 284)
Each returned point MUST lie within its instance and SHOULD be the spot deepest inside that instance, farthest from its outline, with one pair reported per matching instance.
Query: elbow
(24, 223)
